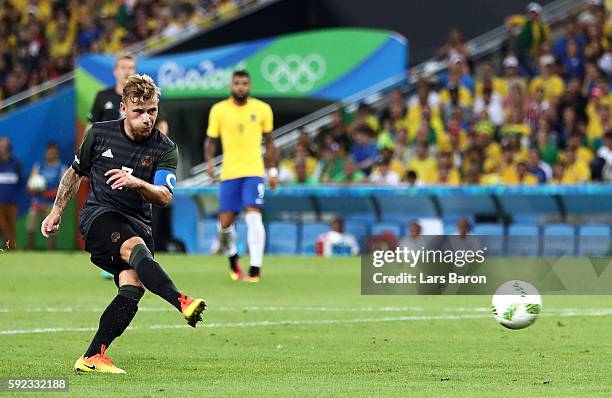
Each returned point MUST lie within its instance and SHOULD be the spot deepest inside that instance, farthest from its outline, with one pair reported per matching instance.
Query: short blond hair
(139, 88)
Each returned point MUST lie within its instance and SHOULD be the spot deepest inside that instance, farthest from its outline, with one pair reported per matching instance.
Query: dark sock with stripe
(116, 318)
(153, 276)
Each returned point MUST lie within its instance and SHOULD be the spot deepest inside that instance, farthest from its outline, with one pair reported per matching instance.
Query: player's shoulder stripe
(165, 140)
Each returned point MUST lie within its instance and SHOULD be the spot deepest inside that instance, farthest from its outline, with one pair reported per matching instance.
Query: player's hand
(121, 178)
(50, 224)
(210, 169)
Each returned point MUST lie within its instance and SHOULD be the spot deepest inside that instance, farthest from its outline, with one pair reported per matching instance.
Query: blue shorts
(238, 193)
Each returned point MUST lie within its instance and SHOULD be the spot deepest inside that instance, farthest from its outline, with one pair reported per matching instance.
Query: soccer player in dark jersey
(130, 165)
(107, 106)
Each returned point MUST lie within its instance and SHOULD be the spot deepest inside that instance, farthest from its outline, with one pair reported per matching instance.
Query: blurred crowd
(539, 114)
(42, 38)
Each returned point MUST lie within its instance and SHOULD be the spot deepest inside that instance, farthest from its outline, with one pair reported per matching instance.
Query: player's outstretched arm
(157, 194)
(68, 186)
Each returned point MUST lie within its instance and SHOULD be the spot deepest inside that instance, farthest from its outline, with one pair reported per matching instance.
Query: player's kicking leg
(143, 271)
(135, 252)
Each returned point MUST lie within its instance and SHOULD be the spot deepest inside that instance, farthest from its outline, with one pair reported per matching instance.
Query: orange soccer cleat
(99, 363)
(192, 309)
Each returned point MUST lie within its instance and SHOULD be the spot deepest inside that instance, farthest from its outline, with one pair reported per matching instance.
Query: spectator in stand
(545, 144)
(331, 165)
(301, 176)
(411, 178)
(511, 76)
(424, 165)
(548, 80)
(364, 150)
(10, 185)
(287, 167)
(537, 167)
(572, 32)
(527, 33)
(455, 45)
(51, 169)
(599, 121)
(383, 174)
(336, 242)
(558, 174)
(365, 116)
(423, 97)
(311, 149)
(396, 98)
(604, 156)
(89, 33)
(572, 61)
(583, 153)
(576, 171)
(491, 103)
(447, 172)
(457, 74)
(350, 173)
(589, 16)
(520, 176)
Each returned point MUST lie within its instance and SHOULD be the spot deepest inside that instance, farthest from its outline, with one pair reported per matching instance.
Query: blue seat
(476, 204)
(450, 229)
(359, 230)
(559, 240)
(368, 217)
(387, 227)
(594, 240)
(492, 237)
(523, 240)
(209, 234)
(410, 206)
(282, 237)
(185, 223)
(310, 233)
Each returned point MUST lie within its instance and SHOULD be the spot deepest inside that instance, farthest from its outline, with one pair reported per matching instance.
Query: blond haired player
(130, 165)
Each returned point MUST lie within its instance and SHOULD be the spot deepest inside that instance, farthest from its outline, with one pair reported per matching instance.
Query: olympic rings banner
(327, 64)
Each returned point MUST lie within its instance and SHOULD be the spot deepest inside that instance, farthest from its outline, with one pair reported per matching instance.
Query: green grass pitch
(305, 330)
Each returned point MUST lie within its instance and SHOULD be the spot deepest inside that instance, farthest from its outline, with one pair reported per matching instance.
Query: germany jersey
(107, 146)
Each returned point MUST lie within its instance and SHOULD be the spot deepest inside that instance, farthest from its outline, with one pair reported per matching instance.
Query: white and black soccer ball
(516, 304)
(37, 183)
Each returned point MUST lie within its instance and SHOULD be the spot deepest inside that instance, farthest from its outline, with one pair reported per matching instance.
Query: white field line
(292, 309)
(603, 312)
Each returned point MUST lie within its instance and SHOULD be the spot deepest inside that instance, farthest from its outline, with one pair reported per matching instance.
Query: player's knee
(128, 246)
(129, 277)
(132, 292)
(226, 219)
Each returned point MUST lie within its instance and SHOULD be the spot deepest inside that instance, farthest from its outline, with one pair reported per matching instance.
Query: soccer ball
(516, 304)
(37, 183)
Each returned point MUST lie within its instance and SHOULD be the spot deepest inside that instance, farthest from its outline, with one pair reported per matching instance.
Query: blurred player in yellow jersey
(240, 122)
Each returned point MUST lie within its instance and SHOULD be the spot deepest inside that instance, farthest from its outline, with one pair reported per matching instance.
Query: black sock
(234, 262)
(253, 271)
(116, 318)
(153, 276)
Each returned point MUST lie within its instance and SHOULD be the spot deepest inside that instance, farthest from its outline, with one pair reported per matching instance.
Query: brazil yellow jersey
(240, 129)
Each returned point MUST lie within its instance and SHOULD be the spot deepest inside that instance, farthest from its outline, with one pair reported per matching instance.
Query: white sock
(227, 239)
(256, 237)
